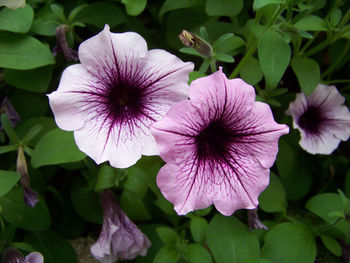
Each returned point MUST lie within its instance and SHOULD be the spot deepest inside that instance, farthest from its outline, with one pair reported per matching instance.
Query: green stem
(339, 58)
(319, 47)
(253, 48)
(213, 66)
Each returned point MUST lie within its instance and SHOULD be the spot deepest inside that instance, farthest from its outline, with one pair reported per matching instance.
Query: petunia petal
(325, 96)
(34, 257)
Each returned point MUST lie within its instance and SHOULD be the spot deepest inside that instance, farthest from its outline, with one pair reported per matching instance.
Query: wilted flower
(30, 197)
(120, 238)
(115, 94)
(219, 146)
(321, 118)
(254, 221)
(7, 107)
(12, 255)
(62, 45)
(13, 4)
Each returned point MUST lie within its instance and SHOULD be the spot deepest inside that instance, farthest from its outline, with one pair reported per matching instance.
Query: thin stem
(319, 47)
(252, 49)
(213, 65)
(336, 81)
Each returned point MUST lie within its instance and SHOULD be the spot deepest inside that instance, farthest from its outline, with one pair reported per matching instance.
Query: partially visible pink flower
(118, 91)
(120, 238)
(12, 255)
(321, 118)
(219, 146)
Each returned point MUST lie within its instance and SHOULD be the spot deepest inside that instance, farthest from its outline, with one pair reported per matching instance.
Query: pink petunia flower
(12, 255)
(120, 238)
(115, 94)
(219, 146)
(321, 118)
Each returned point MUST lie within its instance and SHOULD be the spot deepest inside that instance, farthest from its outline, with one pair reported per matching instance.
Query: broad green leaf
(137, 181)
(15, 211)
(167, 235)
(223, 7)
(86, 202)
(17, 21)
(133, 206)
(229, 45)
(273, 199)
(8, 180)
(231, 241)
(198, 227)
(222, 39)
(23, 52)
(261, 3)
(167, 255)
(311, 23)
(134, 7)
(56, 147)
(289, 243)
(35, 80)
(308, 73)
(44, 27)
(54, 247)
(251, 71)
(175, 4)
(106, 177)
(332, 245)
(274, 55)
(99, 14)
(196, 253)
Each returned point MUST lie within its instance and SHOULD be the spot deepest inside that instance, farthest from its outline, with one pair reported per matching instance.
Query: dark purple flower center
(213, 141)
(311, 120)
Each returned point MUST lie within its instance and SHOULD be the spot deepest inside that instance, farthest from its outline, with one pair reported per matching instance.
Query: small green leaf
(17, 212)
(258, 4)
(134, 7)
(251, 71)
(6, 125)
(137, 181)
(17, 21)
(106, 177)
(274, 55)
(224, 58)
(167, 235)
(23, 52)
(167, 255)
(223, 7)
(222, 39)
(289, 242)
(170, 5)
(196, 253)
(8, 148)
(35, 80)
(332, 245)
(311, 23)
(308, 73)
(273, 199)
(59, 12)
(8, 180)
(198, 227)
(133, 206)
(335, 17)
(190, 51)
(56, 147)
(231, 241)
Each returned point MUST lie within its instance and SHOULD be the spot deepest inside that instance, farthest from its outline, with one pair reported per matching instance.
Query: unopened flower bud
(6, 107)
(192, 40)
(12, 255)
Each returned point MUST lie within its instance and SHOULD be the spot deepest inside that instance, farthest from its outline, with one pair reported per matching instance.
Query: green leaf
(311, 23)
(231, 241)
(289, 243)
(224, 58)
(223, 7)
(133, 206)
(332, 245)
(285, 159)
(274, 55)
(45, 22)
(258, 4)
(335, 17)
(137, 181)
(190, 51)
(8, 148)
(167, 255)
(7, 126)
(35, 80)
(167, 235)
(56, 147)
(347, 184)
(106, 177)
(198, 227)
(222, 39)
(17, 21)
(273, 199)
(17, 212)
(8, 180)
(196, 253)
(175, 4)
(23, 52)
(99, 14)
(58, 11)
(308, 73)
(229, 45)
(251, 71)
(54, 247)
(134, 7)
(195, 75)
